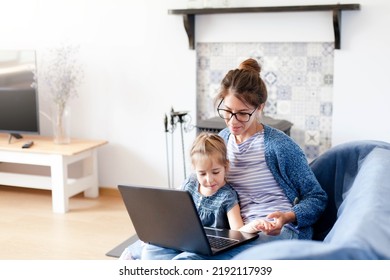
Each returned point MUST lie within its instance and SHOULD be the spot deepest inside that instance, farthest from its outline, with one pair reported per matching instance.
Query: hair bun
(250, 64)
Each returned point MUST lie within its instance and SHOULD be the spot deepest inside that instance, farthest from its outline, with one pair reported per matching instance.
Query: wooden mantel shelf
(189, 15)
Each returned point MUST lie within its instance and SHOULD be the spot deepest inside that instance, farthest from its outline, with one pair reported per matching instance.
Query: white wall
(137, 65)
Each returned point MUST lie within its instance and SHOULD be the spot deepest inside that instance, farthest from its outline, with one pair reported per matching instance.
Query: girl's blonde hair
(208, 145)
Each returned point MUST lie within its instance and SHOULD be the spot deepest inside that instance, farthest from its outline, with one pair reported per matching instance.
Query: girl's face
(210, 174)
(242, 130)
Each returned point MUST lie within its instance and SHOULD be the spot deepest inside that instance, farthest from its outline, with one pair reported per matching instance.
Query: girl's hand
(249, 227)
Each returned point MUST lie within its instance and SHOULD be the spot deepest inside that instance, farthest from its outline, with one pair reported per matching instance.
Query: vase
(61, 124)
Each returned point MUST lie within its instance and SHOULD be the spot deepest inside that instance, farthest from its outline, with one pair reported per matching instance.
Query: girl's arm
(234, 218)
(236, 223)
(259, 225)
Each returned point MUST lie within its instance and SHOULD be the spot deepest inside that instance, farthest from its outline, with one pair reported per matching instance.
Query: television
(19, 108)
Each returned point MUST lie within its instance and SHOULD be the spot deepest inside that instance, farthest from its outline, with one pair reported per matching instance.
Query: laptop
(168, 218)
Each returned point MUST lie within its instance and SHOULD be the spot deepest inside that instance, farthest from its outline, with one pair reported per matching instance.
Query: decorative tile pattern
(299, 78)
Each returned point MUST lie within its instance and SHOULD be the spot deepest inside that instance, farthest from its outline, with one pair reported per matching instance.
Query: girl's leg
(152, 252)
(133, 251)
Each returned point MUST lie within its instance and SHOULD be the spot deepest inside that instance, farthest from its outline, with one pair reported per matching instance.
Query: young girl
(215, 199)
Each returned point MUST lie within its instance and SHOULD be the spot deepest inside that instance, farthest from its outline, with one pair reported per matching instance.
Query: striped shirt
(259, 194)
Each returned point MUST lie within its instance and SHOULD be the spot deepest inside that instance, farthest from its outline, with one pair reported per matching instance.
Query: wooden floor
(30, 230)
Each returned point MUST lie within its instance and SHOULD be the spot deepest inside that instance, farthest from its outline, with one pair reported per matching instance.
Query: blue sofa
(356, 222)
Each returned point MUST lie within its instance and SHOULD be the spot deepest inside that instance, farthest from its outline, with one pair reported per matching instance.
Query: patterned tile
(311, 151)
(326, 108)
(270, 78)
(312, 137)
(284, 107)
(283, 92)
(312, 123)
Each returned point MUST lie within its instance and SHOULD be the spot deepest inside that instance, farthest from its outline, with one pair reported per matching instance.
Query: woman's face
(242, 130)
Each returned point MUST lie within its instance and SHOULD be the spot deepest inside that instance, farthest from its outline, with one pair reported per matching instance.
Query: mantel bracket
(337, 28)
(189, 16)
(189, 26)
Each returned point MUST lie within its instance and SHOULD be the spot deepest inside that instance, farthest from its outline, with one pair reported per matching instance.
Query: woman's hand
(279, 220)
(272, 225)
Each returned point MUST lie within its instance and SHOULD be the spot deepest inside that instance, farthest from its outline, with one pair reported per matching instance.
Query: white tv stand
(58, 157)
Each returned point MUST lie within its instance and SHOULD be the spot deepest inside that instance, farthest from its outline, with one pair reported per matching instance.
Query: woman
(268, 169)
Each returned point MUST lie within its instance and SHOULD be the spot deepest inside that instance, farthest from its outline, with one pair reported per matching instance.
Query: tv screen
(19, 110)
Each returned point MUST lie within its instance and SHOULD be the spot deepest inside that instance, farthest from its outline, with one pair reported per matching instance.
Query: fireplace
(299, 76)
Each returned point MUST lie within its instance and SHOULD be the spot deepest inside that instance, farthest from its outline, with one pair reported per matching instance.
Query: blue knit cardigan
(290, 168)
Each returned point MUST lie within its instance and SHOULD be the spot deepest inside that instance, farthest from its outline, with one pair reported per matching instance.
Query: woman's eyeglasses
(240, 116)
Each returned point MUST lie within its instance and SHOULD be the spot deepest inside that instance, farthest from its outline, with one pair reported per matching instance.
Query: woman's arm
(290, 168)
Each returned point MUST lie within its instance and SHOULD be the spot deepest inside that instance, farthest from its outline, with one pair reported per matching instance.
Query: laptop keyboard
(218, 242)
